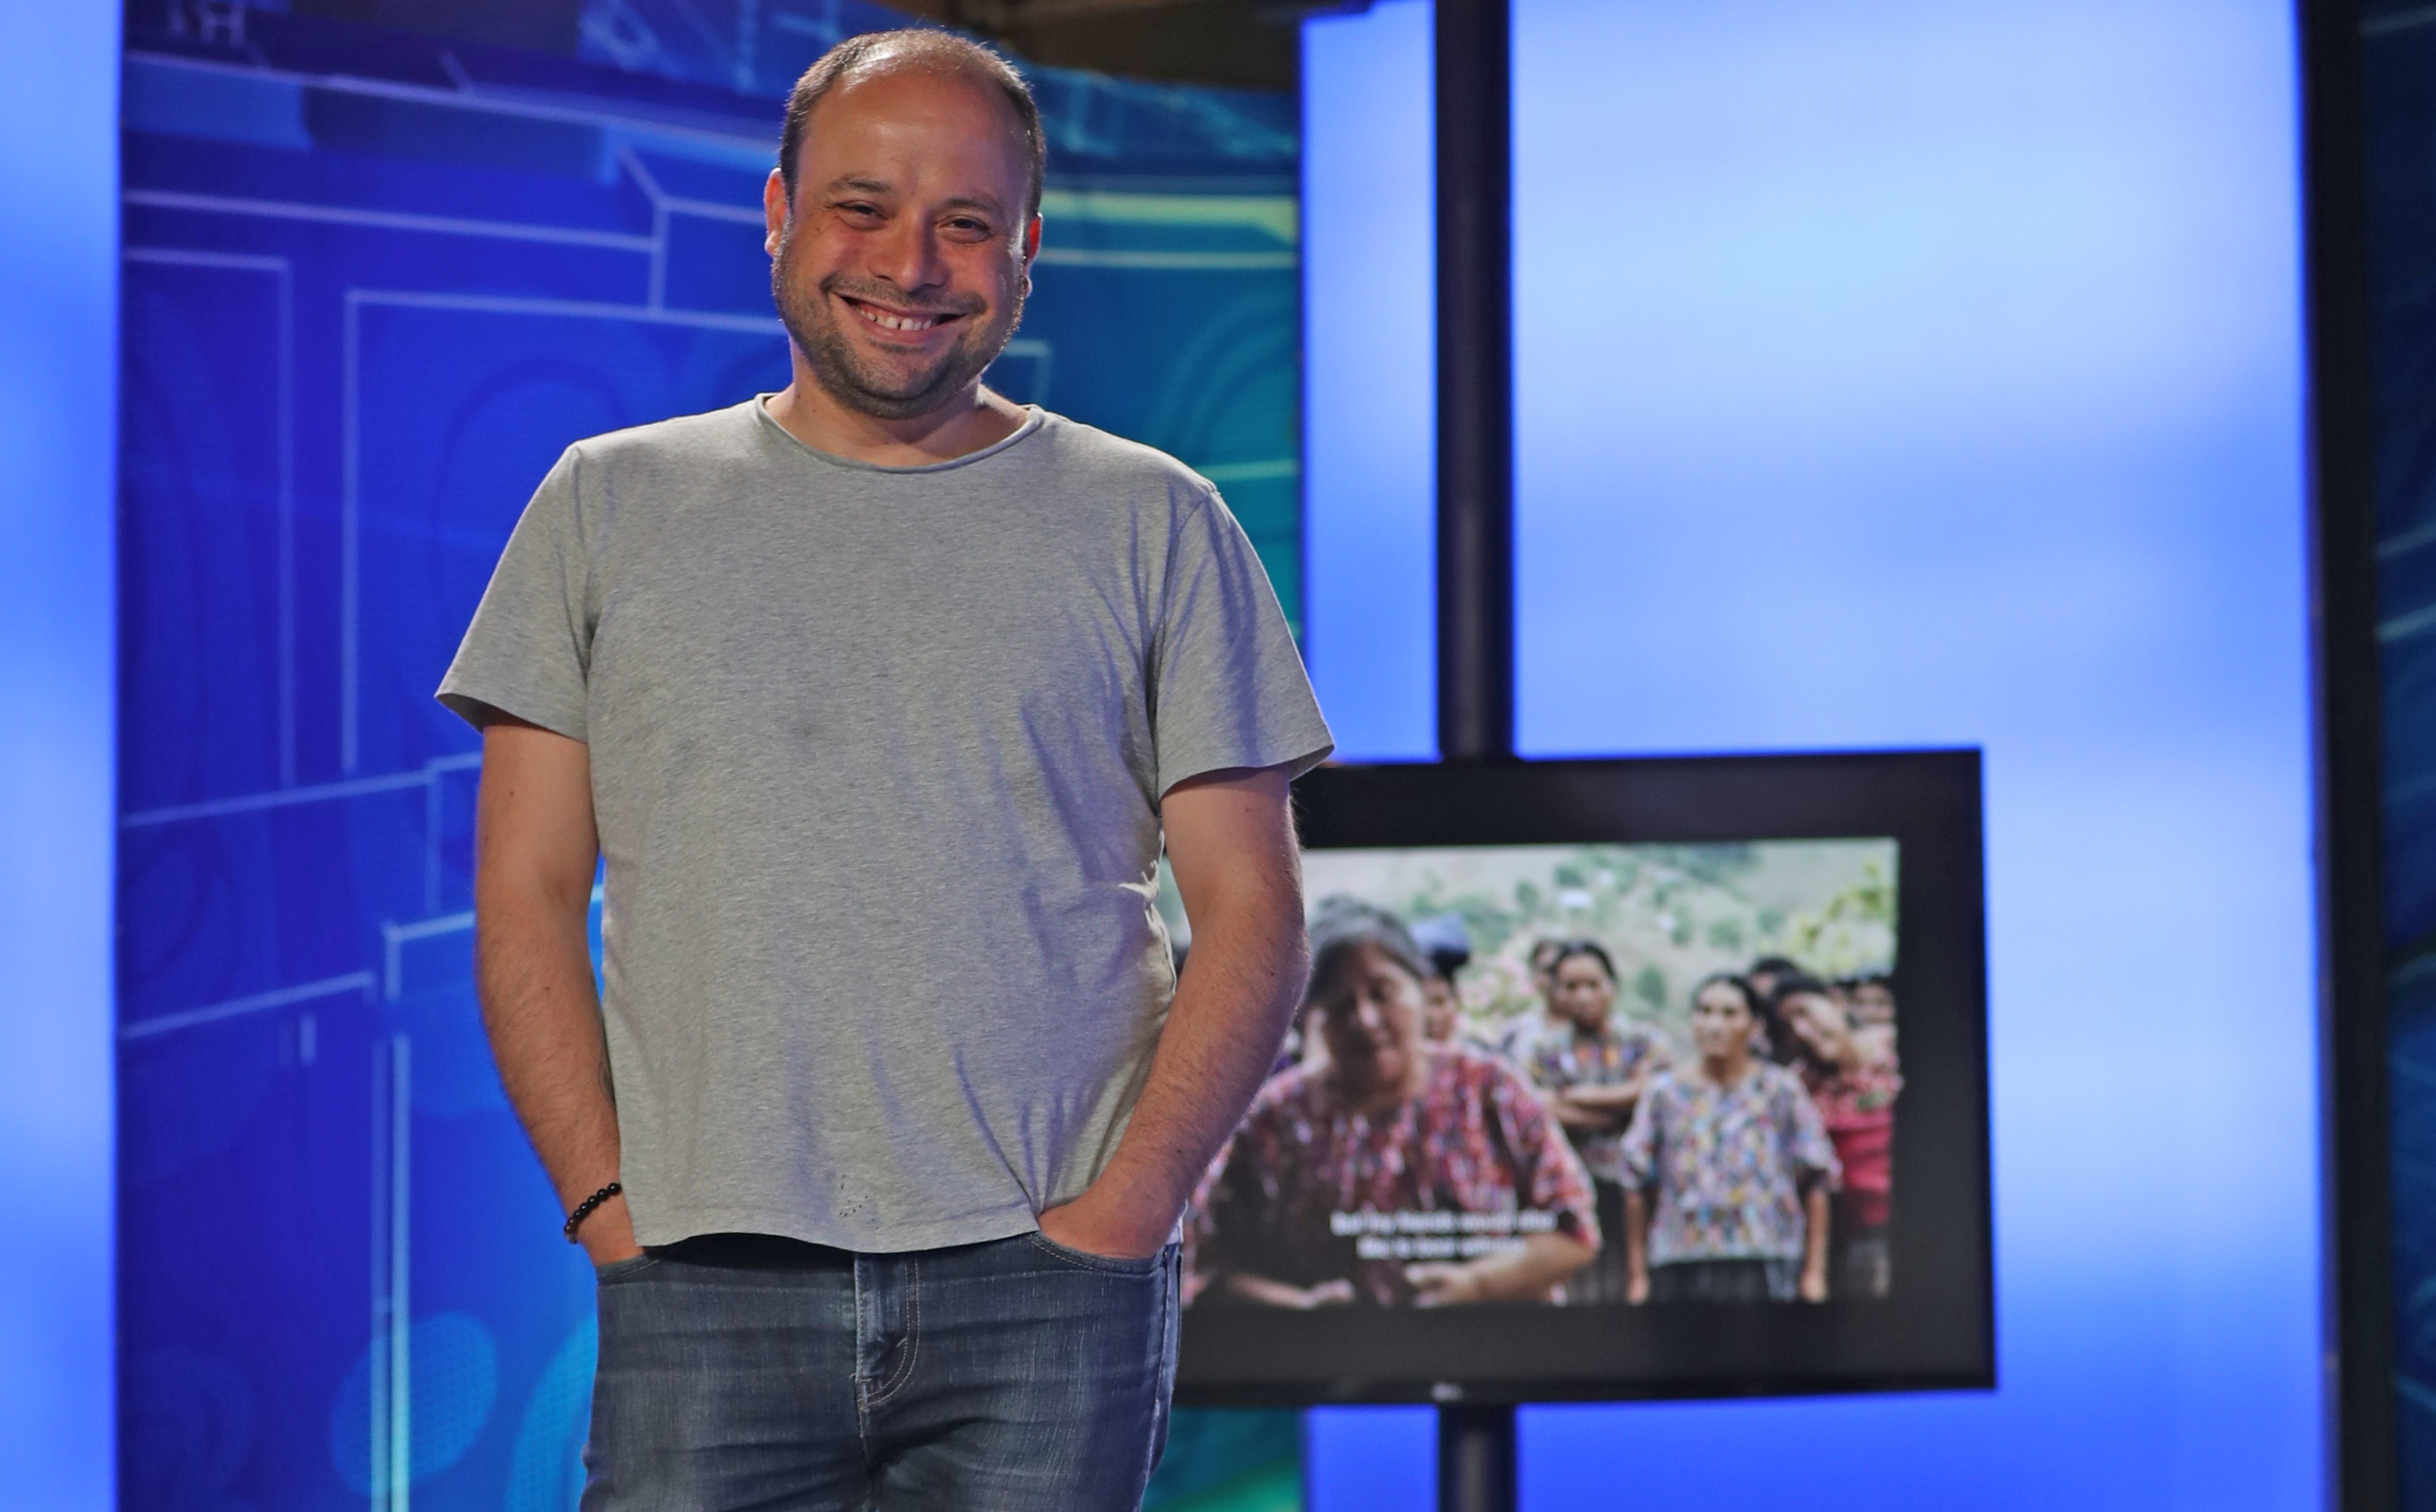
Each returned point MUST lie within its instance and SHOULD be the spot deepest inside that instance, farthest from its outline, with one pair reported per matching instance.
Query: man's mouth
(907, 322)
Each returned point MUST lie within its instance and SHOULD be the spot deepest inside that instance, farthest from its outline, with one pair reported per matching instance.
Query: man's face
(901, 266)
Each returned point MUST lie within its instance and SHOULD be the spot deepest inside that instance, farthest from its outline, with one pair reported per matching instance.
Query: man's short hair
(923, 47)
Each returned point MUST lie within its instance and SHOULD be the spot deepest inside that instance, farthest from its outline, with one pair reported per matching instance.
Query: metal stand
(1476, 1465)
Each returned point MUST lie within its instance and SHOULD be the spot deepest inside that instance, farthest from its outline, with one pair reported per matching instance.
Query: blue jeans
(740, 1371)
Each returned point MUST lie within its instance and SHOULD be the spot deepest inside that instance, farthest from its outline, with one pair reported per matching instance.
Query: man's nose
(908, 254)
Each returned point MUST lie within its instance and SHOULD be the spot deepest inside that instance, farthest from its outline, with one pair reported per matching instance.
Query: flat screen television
(1617, 1079)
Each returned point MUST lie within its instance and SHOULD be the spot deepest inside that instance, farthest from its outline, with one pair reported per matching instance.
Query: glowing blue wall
(1368, 354)
(58, 178)
(1895, 375)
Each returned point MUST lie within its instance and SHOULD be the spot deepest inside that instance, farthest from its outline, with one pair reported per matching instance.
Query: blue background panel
(1371, 378)
(209, 626)
(1898, 375)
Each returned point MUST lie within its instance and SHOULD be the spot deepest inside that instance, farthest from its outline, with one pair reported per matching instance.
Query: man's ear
(1030, 241)
(773, 210)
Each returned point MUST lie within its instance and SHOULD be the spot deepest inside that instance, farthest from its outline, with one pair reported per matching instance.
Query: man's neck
(973, 420)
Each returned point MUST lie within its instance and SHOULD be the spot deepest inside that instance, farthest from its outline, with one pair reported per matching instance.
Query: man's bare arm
(1230, 841)
(536, 848)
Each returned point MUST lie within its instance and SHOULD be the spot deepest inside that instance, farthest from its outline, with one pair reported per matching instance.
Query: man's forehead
(895, 91)
(855, 139)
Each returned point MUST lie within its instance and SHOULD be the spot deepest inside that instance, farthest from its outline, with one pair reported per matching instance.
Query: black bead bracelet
(583, 1209)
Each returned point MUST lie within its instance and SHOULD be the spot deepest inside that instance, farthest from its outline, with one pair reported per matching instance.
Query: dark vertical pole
(2349, 698)
(1476, 1461)
(1471, 54)
(1475, 278)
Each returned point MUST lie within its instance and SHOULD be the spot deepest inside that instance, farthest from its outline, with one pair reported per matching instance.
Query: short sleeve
(529, 649)
(1227, 685)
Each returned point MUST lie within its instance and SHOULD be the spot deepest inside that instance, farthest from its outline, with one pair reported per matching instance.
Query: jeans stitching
(1170, 1272)
(862, 1387)
(1105, 1265)
(913, 1335)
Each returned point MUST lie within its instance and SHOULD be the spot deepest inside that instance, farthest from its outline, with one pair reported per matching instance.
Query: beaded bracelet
(583, 1209)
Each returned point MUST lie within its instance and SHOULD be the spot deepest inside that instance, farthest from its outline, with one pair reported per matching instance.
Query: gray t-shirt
(877, 761)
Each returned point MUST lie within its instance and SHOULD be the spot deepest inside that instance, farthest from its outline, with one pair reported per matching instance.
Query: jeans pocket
(1107, 1264)
(631, 1266)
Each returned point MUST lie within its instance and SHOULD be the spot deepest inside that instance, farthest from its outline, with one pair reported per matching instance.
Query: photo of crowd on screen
(1497, 1091)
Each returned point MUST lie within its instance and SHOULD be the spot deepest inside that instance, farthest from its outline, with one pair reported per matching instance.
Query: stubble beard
(841, 369)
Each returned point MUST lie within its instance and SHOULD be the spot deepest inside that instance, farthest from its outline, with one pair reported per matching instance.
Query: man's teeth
(896, 323)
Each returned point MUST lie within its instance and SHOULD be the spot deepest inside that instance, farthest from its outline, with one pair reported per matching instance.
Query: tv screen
(1616, 1078)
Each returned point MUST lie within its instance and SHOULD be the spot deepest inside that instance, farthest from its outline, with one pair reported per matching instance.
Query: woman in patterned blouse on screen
(1855, 1091)
(1591, 1068)
(1726, 1172)
(1392, 1171)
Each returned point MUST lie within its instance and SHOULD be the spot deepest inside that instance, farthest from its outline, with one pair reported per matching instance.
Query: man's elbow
(518, 898)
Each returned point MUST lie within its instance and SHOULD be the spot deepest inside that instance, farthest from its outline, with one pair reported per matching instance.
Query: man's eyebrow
(855, 184)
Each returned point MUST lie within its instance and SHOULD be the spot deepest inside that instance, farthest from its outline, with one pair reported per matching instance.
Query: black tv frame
(2349, 173)
(1935, 1330)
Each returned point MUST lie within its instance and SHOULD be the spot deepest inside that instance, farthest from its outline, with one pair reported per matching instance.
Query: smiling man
(878, 697)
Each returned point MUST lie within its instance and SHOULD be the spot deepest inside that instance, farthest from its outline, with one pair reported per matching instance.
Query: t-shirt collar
(1034, 418)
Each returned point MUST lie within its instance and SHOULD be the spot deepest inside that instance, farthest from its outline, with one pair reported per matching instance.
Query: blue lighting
(1892, 374)
(1370, 377)
(59, 178)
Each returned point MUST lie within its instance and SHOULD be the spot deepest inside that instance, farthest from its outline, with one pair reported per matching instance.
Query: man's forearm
(1239, 986)
(535, 974)
(535, 852)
